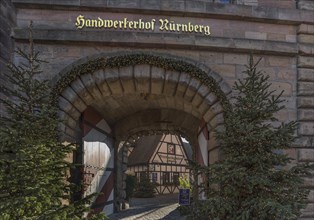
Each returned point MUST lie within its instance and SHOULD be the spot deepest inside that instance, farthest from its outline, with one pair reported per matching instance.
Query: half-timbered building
(164, 158)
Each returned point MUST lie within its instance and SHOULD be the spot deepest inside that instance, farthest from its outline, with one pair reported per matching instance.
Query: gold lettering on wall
(140, 24)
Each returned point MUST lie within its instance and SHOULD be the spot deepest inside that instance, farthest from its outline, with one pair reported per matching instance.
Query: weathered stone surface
(306, 75)
(306, 88)
(235, 58)
(236, 30)
(195, 6)
(306, 49)
(306, 29)
(305, 102)
(83, 93)
(150, 4)
(306, 128)
(306, 114)
(306, 38)
(311, 196)
(306, 62)
(304, 142)
(306, 155)
(113, 81)
(306, 4)
(124, 3)
(158, 76)
(90, 84)
(277, 4)
(142, 77)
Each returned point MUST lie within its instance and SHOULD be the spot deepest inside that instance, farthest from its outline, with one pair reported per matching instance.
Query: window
(143, 176)
(175, 178)
(154, 177)
(166, 177)
(171, 149)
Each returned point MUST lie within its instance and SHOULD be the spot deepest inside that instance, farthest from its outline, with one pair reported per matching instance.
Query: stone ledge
(179, 8)
(160, 40)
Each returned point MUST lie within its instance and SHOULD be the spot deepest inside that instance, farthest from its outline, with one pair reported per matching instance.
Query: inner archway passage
(107, 99)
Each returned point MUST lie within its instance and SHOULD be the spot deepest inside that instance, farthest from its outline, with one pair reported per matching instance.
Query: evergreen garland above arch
(135, 59)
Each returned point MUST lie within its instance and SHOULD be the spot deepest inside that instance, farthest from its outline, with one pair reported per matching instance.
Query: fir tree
(145, 188)
(253, 180)
(33, 170)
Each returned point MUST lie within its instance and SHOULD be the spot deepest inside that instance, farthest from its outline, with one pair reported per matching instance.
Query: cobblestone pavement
(160, 207)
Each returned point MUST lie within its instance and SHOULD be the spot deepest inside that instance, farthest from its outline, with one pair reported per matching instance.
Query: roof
(144, 149)
(187, 150)
(146, 146)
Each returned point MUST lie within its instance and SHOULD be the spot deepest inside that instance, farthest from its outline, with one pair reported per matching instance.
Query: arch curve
(152, 80)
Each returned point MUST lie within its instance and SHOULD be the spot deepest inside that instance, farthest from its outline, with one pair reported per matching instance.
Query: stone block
(175, 5)
(306, 155)
(83, 93)
(142, 75)
(306, 29)
(291, 38)
(306, 128)
(90, 84)
(195, 6)
(52, 2)
(277, 4)
(158, 75)
(100, 3)
(255, 35)
(309, 209)
(306, 38)
(306, 114)
(311, 196)
(124, 3)
(225, 70)
(306, 88)
(225, 87)
(302, 142)
(210, 57)
(306, 62)
(230, 58)
(287, 74)
(112, 77)
(282, 86)
(150, 4)
(280, 61)
(306, 4)
(305, 102)
(306, 75)
(170, 85)
(306, 49)
(276, 37)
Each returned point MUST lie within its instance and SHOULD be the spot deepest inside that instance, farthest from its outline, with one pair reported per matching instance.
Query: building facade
(164, 158)
(124, 69)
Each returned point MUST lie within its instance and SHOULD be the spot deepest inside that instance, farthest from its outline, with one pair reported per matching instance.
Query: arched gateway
(110, 100)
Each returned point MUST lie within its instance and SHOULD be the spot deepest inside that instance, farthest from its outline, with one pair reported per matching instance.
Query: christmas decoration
(33, 168)
(254, 178)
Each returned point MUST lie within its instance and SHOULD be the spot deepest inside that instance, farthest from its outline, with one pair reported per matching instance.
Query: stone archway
(136, 92)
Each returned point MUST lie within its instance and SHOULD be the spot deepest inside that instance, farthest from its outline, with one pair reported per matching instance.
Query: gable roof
(144, 149)
(146, 146)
